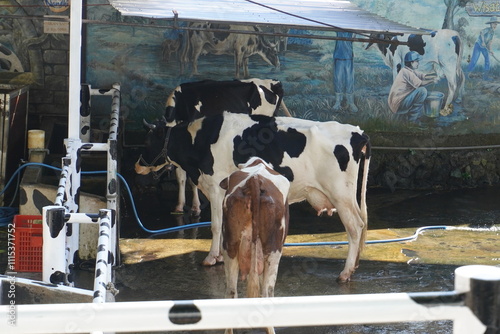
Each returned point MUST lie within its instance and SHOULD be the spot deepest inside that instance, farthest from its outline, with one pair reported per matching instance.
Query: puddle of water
(182, 277)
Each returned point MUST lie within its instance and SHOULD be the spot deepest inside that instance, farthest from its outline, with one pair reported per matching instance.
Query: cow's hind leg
(231, 269)
(356, 232)
(214, 256)
(270, 274)
(269, 278)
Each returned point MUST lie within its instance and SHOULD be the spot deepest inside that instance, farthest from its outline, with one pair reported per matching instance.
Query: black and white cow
(322, 160)
(193, 100)
(223, 42)
(441, 53)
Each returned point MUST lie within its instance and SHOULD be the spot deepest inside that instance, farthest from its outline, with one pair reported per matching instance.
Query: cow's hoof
(209, 261)
(195, 212)
(343, 279)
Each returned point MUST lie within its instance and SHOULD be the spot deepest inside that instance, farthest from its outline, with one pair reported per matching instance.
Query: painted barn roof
(336, 15)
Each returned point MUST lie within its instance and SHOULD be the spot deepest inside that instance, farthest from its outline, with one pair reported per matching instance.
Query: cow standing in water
(223, 42)
(209, 149)
(254, 228)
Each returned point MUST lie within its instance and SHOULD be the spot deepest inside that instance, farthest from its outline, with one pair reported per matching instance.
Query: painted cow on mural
(193, 100)
(223, 42)
(254, 227)
(441, 53)
(210, 149)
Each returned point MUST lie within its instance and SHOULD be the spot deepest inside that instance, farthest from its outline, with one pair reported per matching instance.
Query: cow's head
(154, 157)
(269, 53)
(386, 49)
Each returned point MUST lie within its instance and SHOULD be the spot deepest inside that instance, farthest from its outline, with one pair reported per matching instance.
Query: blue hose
(10, 212)
(7, 213)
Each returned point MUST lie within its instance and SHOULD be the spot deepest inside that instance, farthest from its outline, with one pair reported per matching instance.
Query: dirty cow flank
(254, 228)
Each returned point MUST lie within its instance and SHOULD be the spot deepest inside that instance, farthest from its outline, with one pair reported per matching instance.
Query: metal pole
(85, 113)
(112, 188)
(54, 243)
(75, 45)
(102, 267)
(482, 284)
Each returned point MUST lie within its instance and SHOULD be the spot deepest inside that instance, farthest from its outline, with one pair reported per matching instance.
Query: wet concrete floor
(167, 266)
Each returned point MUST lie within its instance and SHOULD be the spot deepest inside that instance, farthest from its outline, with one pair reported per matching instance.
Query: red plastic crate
(28, 238)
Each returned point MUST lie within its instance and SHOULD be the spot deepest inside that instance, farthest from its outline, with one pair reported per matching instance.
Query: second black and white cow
(441, 53)
(193, 100)
(322, 160)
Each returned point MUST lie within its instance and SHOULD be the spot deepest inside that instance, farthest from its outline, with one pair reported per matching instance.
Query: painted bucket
(433, 103)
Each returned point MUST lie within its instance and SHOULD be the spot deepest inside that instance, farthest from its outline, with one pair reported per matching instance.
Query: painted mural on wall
(449, 79)
(21, 57)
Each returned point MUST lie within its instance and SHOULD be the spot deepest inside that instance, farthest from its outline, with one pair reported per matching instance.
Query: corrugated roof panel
(312, 14)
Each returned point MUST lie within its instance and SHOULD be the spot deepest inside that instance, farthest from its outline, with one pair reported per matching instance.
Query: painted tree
(452, 6)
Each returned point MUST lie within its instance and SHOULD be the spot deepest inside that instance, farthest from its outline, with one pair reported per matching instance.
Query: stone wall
(51, 98)
(452, 164)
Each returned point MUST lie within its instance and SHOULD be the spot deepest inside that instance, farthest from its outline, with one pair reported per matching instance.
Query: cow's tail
(256, 264)
(366, 150)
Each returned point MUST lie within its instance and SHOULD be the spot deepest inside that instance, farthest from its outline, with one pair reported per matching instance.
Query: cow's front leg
(195, 206)
(181, 195)
(215, 255)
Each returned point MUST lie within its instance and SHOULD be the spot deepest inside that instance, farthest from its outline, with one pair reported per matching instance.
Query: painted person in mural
(343, 73)
(483, 47)
(407, 94)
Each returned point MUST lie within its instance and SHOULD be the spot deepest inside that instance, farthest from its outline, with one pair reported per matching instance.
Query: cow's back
(442, 47)
(193, 100)
(308, 153)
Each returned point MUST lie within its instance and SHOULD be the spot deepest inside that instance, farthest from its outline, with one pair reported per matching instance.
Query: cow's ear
(224, 183)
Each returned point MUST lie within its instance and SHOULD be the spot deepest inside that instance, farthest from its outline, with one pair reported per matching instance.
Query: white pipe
(95, 147)
(54, 243)
(75, 51)
(235, 313)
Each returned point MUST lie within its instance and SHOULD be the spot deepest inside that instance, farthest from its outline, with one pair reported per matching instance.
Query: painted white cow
(322, 160)
(223, 42)
(441, 53)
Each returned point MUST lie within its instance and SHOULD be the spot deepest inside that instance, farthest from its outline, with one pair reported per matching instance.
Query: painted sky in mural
(322, 80)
